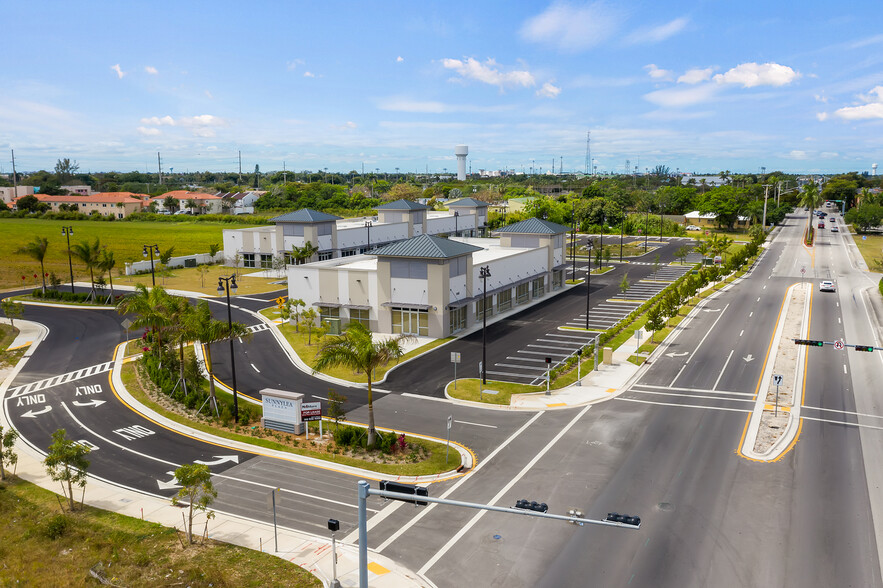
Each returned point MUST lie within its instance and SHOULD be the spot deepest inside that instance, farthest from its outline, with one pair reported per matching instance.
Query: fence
(138, 267)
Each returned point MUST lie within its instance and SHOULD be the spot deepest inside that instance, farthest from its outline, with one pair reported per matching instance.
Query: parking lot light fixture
(226, 284)
(150, 250)
(484, 273)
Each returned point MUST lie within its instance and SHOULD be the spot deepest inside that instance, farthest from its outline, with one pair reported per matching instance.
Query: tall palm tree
(37, 250)
(207, 330)
(178, 311)
(106, 264)
(303, 254)
(191, 204)
(357, 350)
(811, 199)
(89, 254)
(149, 307)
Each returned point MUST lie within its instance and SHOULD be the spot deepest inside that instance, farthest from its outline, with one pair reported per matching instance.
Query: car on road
(827, 286)
(693, 228)
(834, 229)
(821, 224)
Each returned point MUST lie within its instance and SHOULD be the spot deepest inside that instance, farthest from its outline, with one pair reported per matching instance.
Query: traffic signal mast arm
(818, 343)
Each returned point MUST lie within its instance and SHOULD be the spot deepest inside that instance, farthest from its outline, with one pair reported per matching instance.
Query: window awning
(357, 306)
(410, 305)
(328, 304)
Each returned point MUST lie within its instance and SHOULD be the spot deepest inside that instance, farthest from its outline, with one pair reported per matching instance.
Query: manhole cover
(666, 506)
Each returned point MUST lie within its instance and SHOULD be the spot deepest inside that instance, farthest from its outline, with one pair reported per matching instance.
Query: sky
(698, 86)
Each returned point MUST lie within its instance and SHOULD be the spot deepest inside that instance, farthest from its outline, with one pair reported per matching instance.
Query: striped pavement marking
(62, 379)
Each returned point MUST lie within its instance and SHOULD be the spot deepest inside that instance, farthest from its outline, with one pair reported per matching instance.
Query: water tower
(874, 169)
(461, 151)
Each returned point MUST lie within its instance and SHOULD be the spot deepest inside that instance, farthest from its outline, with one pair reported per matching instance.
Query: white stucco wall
(409, 290)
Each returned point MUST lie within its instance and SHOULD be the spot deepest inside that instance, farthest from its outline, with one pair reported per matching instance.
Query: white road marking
(409, 395)
(704, 390)
(692, 396)
(62, 379)
(844, 368)
(751, 314)
(453, 540)
(841, 423)
(723, 310)
(682, 405)
(392, 538)
(740, 332)
(724, 368)
(758, 298)
(255, 369)
(476, 424)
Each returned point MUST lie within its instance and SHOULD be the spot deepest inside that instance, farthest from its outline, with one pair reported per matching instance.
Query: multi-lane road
(664, 449)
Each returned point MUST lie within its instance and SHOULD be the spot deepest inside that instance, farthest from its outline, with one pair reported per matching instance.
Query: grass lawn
(125, 239)
(205, 279)
(8, 333)
(307, 352)
(871, 249)
(434, 463)
(741, 235)
(39, 546)
(469, 388)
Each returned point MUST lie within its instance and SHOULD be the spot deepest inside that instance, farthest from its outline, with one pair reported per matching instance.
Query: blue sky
(695, 85)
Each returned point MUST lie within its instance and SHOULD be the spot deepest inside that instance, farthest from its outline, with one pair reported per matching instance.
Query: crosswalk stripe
(60, 379)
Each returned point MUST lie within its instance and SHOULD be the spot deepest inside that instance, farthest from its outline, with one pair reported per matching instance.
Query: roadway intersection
(664, 449)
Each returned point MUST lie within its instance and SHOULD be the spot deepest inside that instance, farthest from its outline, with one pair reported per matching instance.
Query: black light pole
(67, 232)
(368, 225)
(588, 287)
(149, 249)
(621, 225)
(229, 283)
(456, 220)
(647, 227)
(601, 242)
(573, 244)
(661, 210)
(484, 273)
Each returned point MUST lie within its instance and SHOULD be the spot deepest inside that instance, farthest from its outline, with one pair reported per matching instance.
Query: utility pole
(588, 151)
(240, 170)
(284, 174)
(159, 167)
(14, 177)
(766, 193)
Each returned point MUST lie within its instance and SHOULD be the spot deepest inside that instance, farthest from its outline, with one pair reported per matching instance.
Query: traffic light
(810, 342)
(405, 489)
(532, 505)
(615, 517)
(864, 347)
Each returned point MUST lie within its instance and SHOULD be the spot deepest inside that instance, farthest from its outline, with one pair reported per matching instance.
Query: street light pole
(368, 225)
(227, 284)
(150, 249)
(661, 210)
(484, 273)
(67, 232)
(621, 225)
(573, 243)
(646, 227)
(456, 225)
(588, 286)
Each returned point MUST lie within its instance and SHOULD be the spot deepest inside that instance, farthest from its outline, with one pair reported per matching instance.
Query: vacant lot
(125, 239)
(871, 247)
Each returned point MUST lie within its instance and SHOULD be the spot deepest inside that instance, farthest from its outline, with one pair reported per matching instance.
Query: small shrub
(56, 526)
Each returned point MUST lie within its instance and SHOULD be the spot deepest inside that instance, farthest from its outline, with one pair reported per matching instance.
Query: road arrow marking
(170, 485)
(673, 354)
(711, 310)
(88, 403)
(219, 459)
(749, 359)
(32, 414)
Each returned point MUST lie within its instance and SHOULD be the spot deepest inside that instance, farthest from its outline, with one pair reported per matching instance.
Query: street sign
(838, 344)
(450, 422)
(590, 245)
(777, 380)
(639, 334)
(802, 271)
(455, 357)
(126, 324)
(311, 411)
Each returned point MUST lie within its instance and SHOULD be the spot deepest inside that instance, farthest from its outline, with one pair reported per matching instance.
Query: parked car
(827, 286)
(693, 228)
(834, 229)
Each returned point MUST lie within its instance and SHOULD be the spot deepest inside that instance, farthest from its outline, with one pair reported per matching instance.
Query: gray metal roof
(534, 226)
(305, 215)
(402, 205)
(471, 202)
(426, 246)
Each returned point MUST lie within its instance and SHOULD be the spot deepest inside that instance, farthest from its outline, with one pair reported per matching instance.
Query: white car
(827, 286)
(693, 228)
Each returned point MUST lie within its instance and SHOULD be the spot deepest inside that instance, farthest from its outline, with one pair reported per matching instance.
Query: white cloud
(658, 33)
(571, 27)
(345, 126)
(873, 109)
(797, 154)
(309, 74)
(157, 121)
(549, 91)
(151, 70)
(209, 95)
(399, 59)
(829, 154)
(822, 116)
(753, 74)
(820, 98)
(200, 126)
(696, 75)
(678, 97)
(292, 65)
(657, 73)
(149, 131)
(120, 73)
(397, 104)
(489, 73)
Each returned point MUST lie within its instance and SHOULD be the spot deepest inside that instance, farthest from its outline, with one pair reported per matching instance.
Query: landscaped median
(401, 454)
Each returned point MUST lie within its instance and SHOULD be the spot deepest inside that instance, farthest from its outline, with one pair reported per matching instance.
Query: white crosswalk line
(60, 379)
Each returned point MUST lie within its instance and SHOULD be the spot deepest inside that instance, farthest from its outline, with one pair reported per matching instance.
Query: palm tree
(37, 250)
(191, 204)
(149, 306)
(106, 264)
(89, 254)
(811, 199)
(178, 312)
(207, 330)
(303, 254)
(357, 350)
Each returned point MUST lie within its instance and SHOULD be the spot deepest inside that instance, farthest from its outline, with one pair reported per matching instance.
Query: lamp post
(601, 242)
(150, 249)
(621, 225)
(573, 243)
(368, 225)
(484, 273)
(661, 210)
(67, 232)
(456, 225)
(588, 284)
(227, 284)
(646, 227)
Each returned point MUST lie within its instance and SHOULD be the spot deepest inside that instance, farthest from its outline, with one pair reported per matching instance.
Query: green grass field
(125, 239)
(871, 249)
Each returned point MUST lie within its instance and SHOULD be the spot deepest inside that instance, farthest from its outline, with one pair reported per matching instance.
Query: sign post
(448, 442)
(777, 380)
(271, 502)
(455, 359)
(638, 334)
(311, 411)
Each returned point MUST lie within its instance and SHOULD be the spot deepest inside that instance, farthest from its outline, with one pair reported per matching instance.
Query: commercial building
(432, 286)
(11, 193)
(336, 237)
(204, 203)
(116, 204)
